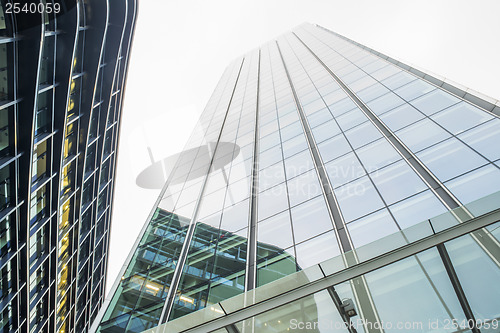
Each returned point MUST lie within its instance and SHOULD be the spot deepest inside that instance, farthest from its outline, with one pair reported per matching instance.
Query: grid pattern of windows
(312, 156)
(53, 251)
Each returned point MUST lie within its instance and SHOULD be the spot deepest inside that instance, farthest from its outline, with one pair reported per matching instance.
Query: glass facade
(54, 213)
(347, 201)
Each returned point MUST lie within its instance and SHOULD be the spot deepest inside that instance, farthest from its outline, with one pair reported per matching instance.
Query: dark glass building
(63, 67)
(361, 195)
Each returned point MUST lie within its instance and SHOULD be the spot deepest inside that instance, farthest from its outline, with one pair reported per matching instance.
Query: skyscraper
(63, 67)
(360, 195)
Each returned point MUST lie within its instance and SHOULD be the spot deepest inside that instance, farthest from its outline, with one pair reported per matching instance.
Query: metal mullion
(251, 264)
(168, 306)
(433, 183)
(394, 219)
(348, 274)
(448, 86)
(361, 289)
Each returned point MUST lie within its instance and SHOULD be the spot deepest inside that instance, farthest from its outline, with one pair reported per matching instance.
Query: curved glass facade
(60, 78)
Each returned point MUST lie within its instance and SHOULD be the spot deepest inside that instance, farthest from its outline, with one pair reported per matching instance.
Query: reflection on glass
(421, 279)
(478, 275)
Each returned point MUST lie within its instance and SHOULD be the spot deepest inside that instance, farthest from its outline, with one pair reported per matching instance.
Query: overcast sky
(181, 48)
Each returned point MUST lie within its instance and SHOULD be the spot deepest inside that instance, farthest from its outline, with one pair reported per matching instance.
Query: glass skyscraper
(326, 188)
(62, 74)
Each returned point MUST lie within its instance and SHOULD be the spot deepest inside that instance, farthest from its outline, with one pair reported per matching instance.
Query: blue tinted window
(434, 102)
(310, 219)
(350, 195)
(450, 158)
(344, 169)
(461, 117)
(422, 134)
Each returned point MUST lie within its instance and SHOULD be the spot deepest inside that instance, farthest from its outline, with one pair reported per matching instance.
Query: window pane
(371, 228)
(349, 197)
(434, 101)
(271, 176)
(310, 219)
(317, 250)
(385, 103)
(401, 116)
(272, 201)
(362, 134)
(417, 209)
(276, 231)
(476, 184)
(478, 275)
(450, 158)
(422, 134)
(303, 187)
(298, 164)
(377, 154)
(397, 181)
(484, 139)
(351, 119)
(461, 117)
(295, 145)
(424, 282)
(334, 148)
(344, 169)
(414, 89)
(325, 131)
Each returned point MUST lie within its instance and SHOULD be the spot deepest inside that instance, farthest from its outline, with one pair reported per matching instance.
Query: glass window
(372, 227)
(344, 169)
(291, 130)
(385, 103)
(450, 158)
(416, 209)
(350, 119)
(334, 148)
(310, 219)
(317, 250)
(372, 92)
(298, 164)
(350, 195)
(412, 136)
(424, 282)
(318, 118)
(235, 217)
(401, 116)
(414, 89)
(271, 176)
(315, 310)
(276, 231)
(325, 131)
(342, 106)
(270, 156)
(295, 145)
(398, 80)
(362, 134)
(484, 139)
(434, 102)
(272, 201)
(269, 141)
(461, 117)
(385, 72)
(303, 187)
(397, 181)
(478, 275)
(377, 155)
(475, 184)
(5, 114)
(6, 186)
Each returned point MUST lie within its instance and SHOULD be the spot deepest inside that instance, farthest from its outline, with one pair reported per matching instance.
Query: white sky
(182, 47)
